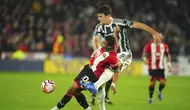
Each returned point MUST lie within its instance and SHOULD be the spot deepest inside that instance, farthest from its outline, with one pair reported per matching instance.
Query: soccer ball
(48, 86)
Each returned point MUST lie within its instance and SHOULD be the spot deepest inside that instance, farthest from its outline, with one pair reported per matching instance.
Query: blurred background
(31, 30)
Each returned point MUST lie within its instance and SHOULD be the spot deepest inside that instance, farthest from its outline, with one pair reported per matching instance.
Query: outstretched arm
(145, 27)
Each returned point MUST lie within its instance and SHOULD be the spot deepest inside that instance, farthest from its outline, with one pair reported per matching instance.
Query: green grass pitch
(22, 91)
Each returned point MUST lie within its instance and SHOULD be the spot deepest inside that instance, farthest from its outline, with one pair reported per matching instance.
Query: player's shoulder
(118, 20)
(122, 22)
(98, 25)
(165, 44)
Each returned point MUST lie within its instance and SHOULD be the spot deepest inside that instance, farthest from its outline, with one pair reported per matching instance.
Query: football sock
(151, 91)
(101, 99)
(106, 76)
(161, 87)
(55, 108)
(108, 84)
(82, 100)
(64, 100)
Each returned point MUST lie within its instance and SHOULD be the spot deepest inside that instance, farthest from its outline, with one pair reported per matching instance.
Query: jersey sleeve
(166, 49)
(124, 22)
(97, 30)
(128, 23)
(147, 48)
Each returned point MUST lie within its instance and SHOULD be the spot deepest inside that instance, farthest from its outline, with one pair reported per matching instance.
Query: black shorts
(157, 74)
(86, 75)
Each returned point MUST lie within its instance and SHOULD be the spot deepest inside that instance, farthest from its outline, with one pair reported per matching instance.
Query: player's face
(101, 18)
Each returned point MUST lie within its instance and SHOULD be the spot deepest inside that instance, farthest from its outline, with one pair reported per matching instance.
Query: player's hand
(113, 88)
(145, 60)
(169, 67)
(158, 37)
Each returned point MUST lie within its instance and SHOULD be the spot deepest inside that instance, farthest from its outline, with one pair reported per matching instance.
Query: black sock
(108, 84)
(64, 101)
(151, 91)
(161, 87)
(81, 99)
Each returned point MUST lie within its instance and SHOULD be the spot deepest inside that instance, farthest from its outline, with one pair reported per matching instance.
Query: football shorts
(125, 58)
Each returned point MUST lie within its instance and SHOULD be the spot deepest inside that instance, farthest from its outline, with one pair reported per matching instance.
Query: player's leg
(105, 77)
(75, 90)
(162, 84)
(67, 97)
(81, 99)
(107, 88)
(92, 99)
(151, 85)
(101, 98)
(93, 87)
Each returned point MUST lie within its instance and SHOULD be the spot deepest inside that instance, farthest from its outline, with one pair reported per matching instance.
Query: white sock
(106, 76)
(89, 108)
(101, 99)
(55, 108)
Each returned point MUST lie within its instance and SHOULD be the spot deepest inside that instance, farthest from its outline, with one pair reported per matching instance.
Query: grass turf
(22, 91)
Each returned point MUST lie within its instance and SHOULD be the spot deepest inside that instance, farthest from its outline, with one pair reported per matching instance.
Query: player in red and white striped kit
(153, 55)
(104, 57)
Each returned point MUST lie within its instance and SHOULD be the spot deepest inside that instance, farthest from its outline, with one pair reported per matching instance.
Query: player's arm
(116, 32)
(168, 57)
(115, 79)
(115, 68)
(169, 62)
(145, 27)
(96, 37)
(145, 58)
(146, 50)
(96, 42)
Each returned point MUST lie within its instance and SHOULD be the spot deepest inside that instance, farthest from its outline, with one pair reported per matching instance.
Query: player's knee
(162, 81)
(72, 91)
(152, 83)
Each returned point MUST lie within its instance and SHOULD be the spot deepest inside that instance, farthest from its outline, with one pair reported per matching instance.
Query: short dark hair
(111, 40)
(104, 9)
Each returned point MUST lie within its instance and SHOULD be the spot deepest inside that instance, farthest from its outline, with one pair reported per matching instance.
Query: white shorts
(125, 58)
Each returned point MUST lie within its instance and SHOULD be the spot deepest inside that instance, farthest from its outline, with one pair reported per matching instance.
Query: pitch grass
(22, 91)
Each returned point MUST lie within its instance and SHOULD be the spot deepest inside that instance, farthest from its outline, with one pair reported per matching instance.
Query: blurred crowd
(33, 25)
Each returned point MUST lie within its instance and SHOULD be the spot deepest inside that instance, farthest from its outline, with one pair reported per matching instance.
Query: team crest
(104, 55)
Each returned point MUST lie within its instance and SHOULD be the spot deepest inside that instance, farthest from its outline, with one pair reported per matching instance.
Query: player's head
(103, 13)
(108, 43)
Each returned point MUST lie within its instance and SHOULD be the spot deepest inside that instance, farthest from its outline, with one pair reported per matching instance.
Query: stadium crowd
(33, 25)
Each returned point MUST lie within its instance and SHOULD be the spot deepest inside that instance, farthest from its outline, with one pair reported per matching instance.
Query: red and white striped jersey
(156, 55)
(101, 60)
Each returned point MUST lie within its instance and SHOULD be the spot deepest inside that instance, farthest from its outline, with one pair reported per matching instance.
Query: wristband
(112, 84)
